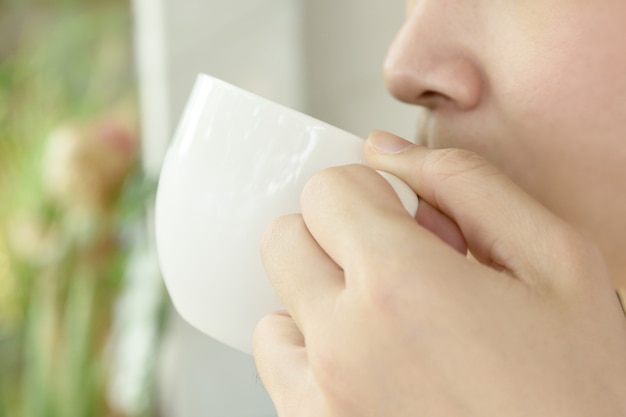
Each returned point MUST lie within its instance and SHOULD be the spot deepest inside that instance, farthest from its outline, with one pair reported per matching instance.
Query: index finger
(306, 281)
(358, 220)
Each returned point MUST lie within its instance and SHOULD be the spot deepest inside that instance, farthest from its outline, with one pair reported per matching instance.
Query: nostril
(409, 87)
(430, 99)
(428, 94)
(433, 78)
(405, 86)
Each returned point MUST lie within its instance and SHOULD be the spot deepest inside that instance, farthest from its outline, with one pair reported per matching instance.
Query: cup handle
(407, 196)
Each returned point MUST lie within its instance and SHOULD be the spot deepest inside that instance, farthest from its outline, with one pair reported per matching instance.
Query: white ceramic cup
(237, 161)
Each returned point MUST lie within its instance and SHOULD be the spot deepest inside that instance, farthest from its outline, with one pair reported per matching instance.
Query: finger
(357, 218)
(281, 360)
(306, 280)
(501, 223)
(442, 226)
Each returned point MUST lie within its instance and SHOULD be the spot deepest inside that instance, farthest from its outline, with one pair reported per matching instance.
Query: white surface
(256, 45)
(135, 331)
(237, 162)
(153, 79)
(203, 378)
(322, 57)
(345, 43)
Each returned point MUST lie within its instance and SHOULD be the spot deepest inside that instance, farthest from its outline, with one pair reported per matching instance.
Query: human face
(537, 87)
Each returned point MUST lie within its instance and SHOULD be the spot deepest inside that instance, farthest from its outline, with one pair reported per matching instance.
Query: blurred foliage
(66, 88)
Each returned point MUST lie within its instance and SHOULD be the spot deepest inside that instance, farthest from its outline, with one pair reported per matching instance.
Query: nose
(430, 64)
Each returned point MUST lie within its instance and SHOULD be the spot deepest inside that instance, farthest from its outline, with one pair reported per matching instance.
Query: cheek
(558, 88)
(563, 76)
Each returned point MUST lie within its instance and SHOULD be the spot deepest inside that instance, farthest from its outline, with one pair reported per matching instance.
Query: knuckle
(453, 162)
(261, 330)
(277, 231)
(382, 298)
(324, 367)
(263, 333)
(386, 299)
(328, 368)
(317, 187)
(326, 183)
(395, 289)
(270, 330)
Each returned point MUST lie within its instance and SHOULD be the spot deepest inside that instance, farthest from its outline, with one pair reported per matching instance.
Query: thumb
(501, 224)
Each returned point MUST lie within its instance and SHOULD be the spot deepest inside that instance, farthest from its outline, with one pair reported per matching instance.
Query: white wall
(320, 56)
(345, 45)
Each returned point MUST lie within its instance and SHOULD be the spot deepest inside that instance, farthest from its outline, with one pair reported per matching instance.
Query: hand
(387, 317)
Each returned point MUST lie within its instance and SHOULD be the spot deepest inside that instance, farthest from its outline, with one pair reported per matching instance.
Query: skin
(524, 169)
(538, 88)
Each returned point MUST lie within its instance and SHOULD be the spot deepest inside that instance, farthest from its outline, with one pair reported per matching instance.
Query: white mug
(237, 161)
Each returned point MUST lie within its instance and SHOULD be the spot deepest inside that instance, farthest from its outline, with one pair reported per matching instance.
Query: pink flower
(85, 164)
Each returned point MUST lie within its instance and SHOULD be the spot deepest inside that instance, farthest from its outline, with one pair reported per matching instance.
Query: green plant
(69, 180)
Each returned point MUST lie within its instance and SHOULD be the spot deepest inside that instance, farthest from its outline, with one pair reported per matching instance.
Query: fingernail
(388, 143)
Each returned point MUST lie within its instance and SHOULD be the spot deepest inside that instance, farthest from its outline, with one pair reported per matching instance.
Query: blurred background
(90, 93)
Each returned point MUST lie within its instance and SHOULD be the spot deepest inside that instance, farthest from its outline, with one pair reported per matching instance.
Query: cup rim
(203, 77)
